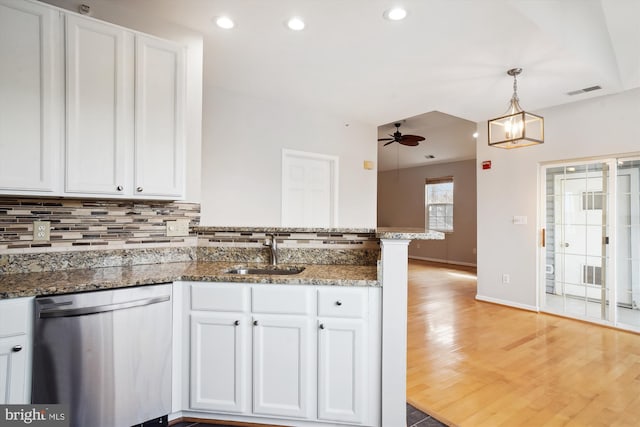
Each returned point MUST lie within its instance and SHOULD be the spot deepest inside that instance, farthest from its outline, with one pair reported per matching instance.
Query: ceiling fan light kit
(516, 128)
(409, 140)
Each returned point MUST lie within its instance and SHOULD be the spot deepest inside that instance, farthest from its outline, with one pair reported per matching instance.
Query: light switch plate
(41, 231)
(178, 227)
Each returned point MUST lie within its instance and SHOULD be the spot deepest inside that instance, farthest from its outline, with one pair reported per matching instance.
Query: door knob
(237, 322)
(139, 189)
(119, 188)
(16, 348)
(321, 326)
(255, 323)
(338, 302)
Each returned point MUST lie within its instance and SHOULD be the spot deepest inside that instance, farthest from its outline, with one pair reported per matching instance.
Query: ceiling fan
(410, 140)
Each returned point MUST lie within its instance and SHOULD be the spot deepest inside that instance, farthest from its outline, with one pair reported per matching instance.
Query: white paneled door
(309, 189)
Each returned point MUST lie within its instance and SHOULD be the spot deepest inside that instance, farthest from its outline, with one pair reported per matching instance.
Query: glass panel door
(628, 242)
(591, 255)
(576, 253)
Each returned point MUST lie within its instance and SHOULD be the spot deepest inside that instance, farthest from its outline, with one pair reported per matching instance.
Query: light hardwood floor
(472, 363)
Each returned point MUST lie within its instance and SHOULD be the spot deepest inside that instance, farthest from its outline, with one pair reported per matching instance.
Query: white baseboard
(507, 303)
(443, 261)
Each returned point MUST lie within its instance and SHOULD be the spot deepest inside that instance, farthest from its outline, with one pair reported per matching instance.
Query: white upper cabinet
(98, 115)
(29, 115)
(99, 107)
(159, 118)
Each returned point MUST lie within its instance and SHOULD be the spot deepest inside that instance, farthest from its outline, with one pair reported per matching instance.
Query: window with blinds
(439, 204)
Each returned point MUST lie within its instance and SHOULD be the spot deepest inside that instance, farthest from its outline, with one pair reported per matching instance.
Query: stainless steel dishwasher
(106, 354)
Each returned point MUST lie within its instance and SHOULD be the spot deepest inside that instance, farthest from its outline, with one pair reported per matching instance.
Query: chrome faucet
(272, 243)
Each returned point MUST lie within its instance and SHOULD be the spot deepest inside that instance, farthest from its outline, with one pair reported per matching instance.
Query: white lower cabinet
(342, 368)
(281, 365)
(218, 347)
(284, 354)
(16, 319)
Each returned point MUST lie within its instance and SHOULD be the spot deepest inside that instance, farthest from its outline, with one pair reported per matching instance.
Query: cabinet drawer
(219, 297)
(342, 302)
(281, 299)
(15, 316)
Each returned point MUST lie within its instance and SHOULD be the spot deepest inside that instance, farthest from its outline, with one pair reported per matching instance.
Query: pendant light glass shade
(516, 128)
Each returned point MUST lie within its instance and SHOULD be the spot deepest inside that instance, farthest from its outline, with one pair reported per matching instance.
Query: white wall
(592, 128)
(107, 11)
(243, 138)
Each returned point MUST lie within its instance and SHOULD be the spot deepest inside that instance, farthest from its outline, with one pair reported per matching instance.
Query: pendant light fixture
(516, 128)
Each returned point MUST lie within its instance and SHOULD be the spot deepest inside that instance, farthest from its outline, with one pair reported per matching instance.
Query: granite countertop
(408, 234)
(81, 280)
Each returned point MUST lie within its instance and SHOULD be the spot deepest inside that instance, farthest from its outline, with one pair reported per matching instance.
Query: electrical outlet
(41, 231)
(178, 227)
(506, 279)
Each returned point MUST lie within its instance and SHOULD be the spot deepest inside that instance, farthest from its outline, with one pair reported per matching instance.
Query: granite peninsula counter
(82, 280)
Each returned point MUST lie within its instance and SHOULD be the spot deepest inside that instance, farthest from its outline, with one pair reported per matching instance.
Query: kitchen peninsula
(336, 261)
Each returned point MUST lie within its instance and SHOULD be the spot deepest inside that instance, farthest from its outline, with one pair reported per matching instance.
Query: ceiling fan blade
(410, 143)
(416, 138)
(390, 142)
(385, 139)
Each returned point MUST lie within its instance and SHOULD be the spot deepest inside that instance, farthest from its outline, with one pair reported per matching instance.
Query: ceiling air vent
(585, 90)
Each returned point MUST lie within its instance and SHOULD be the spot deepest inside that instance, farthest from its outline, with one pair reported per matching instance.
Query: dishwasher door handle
(82, 311)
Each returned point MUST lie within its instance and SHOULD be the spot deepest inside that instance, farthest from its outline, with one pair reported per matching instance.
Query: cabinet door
(13, 374)
(342, 364)
(281, 366)
(29, 125)
(159, 118)
(99, 64)
(218, 362)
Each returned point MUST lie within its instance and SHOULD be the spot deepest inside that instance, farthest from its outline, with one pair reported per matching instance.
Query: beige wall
(401, 204)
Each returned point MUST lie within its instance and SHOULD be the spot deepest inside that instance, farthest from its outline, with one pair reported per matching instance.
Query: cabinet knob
(17, 348)
(321, 326)
(139, 189)
(237, 322)
(255, 323)
(338, 302)
(119, 188)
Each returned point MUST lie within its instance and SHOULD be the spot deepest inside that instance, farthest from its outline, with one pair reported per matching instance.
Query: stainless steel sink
(266, 270)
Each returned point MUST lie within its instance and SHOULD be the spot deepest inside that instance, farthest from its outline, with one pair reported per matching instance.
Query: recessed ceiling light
(225, 22)
(295, 23)
(395, 14)
(475, 134)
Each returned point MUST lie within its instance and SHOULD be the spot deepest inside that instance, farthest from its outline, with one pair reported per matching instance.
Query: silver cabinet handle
(237, 322)
(16, 348)
(119, 188)
(255, 323)
(139, 189)
(321, 326)
(338, 302)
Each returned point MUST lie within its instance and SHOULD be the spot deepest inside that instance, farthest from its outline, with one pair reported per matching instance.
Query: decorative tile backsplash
(92, 224)
(358, 248)
(87, 233)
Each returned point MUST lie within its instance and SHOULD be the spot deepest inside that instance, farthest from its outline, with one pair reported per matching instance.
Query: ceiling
(447, 55)
(448, 138)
